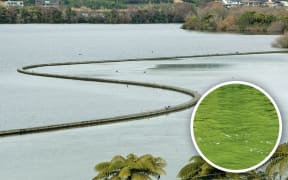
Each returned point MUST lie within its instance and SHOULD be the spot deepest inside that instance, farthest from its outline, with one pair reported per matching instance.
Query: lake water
(71, 154)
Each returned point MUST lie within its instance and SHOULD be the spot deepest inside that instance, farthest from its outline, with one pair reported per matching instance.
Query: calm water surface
(27, 101)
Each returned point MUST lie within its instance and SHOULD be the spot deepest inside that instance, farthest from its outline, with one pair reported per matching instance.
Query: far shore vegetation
(200, 15)
(282, 41)
(215, 17)
(204, 15)
(99, 11)
(148, 167)
(142, 14)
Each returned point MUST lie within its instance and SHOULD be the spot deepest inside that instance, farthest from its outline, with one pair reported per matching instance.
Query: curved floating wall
(191, 102)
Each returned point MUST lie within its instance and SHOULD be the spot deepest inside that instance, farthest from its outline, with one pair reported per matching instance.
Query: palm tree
(278, 163)
(131, 168)
(199, 169)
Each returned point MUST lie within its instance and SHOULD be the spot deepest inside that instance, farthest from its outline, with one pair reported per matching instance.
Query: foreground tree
(131, 168)
(199, 169)
(278, 163)
(195, 168)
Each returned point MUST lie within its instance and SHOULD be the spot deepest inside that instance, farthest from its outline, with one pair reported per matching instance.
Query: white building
(231, 3)
(284, 3)
(256, 3)
(48, 3)
(13, 3)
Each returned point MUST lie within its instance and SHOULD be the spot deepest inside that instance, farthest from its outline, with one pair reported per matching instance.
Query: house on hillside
(48, 3)
(13, 3)
(231, 3)
(178, 1)
(253, 3)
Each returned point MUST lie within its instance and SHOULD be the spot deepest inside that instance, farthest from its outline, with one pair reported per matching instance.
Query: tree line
(215, 17)
(165, 13)
(111, 4)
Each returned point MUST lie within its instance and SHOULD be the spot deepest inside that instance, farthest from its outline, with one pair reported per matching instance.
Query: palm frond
(118, 158)
(116, 166)
(278, 162)
(133, 166)
(101, 166)
(138, 176)
(125, 173)
(189, 171)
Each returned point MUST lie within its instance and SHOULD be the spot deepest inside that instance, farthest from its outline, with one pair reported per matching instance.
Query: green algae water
(236, 126)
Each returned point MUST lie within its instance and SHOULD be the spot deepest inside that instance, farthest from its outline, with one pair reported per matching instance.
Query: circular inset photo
(236, 126)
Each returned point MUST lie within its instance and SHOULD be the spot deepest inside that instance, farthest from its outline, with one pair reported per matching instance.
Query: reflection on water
(196, 66)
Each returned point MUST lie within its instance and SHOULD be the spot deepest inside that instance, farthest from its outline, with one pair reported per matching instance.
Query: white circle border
(279, 133)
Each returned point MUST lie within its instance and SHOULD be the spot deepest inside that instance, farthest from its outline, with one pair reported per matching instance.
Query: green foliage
(246, 19)
(192, 22)
(132, 167)
(162, 13)
(206, 18)
(97, 4)
(216, 18)
(199, 169)
(277, 165)
(110, 4)
(250, 18)
(206, 23)
(31, 14)
(193, 169)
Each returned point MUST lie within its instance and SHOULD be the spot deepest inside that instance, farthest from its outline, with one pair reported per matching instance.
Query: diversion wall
(194, 96)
